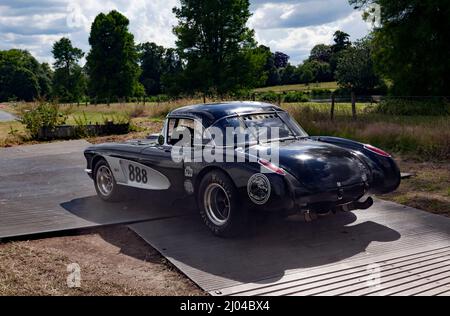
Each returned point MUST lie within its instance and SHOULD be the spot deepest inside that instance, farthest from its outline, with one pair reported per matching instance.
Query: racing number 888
(136, 174)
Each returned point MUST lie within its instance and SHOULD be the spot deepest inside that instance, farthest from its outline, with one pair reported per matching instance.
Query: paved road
(6, 117)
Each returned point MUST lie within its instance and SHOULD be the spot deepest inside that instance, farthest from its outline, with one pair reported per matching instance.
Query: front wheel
(218, 201)
(105, 184)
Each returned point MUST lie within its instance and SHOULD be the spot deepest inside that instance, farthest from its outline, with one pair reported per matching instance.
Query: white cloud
(292, 26)
(298, 42)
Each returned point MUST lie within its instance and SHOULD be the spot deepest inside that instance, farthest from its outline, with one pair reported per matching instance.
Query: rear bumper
(289, 195)
(336, 196)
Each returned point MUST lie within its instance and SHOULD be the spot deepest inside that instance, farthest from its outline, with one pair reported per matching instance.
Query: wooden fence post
(353, 105)
(332, 106)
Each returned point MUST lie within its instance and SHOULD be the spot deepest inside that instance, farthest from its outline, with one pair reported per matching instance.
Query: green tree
(341, 41)
(69, 83)
(213, 38)
(355, 70)
(172, 72)
(412, 44)
(321, 71)
(321, 52)
(281, 60)
(45, 79)
(112, 62)
(151, 58)
(289, 75)
(22, 76)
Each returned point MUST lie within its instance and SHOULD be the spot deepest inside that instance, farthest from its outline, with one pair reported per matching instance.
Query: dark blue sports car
(240, 156)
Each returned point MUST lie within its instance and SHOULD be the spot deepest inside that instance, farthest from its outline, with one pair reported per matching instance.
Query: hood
(319, 165)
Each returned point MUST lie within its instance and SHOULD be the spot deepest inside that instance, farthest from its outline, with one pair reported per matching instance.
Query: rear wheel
(105, 184)
(218, 201)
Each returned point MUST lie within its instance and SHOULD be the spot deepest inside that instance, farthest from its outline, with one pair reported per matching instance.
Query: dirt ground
(428, 189)
(112, 260)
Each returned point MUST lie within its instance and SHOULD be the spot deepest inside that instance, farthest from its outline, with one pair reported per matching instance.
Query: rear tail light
(377, 151)
(274, 168)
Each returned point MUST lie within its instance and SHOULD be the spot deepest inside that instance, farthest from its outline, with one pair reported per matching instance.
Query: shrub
(433, 107)
(295, 96)
(81, 123)
(43, 115)
(269, 96)
(242, 94)
(138, 111)
(159, 98)
(342, 92)
(316, 92)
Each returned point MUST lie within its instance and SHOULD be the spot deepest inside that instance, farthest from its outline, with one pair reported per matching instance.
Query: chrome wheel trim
(105, 180)
(217, 204)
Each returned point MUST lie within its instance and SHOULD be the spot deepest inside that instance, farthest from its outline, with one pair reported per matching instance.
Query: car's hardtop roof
(211, 112)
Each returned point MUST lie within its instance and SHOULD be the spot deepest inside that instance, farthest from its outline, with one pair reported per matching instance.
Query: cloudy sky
(290, 26)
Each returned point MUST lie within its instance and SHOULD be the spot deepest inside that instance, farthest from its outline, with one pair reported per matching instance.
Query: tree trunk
(353, 105)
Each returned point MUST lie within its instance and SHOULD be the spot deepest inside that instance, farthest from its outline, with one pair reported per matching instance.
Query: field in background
(420, 137)
(300, 87)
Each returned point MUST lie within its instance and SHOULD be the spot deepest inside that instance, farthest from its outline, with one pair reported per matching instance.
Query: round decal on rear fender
(258, 188)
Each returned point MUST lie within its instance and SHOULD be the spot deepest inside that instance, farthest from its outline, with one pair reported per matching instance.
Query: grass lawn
(300, 87)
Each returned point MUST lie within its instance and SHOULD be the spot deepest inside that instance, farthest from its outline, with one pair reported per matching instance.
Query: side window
(180, 129)
(170, 128)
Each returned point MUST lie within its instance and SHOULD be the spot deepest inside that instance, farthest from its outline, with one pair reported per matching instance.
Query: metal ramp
(389, 249)
(43, 189)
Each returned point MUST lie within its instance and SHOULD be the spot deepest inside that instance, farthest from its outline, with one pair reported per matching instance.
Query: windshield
(259, 128)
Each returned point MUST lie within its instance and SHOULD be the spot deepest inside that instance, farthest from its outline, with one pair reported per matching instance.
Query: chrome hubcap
(105, 181)
(217, 204)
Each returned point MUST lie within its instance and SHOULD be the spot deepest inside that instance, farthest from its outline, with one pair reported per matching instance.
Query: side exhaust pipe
(358, 205)
(312, 215)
